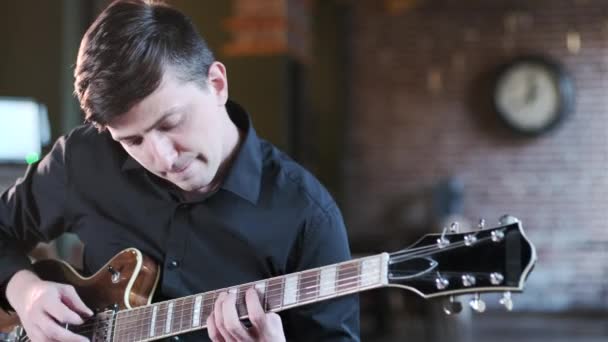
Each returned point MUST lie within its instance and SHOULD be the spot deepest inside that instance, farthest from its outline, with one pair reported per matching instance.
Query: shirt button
(173, 265)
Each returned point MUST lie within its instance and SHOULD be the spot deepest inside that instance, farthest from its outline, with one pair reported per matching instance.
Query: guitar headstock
(495, 259)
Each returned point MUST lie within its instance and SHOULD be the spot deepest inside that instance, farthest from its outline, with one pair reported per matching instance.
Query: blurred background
(405, 111)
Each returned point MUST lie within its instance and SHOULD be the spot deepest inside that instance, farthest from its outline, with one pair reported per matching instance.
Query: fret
(274, 294)
(290, 294)
(161, 319)
(208, 305)
(308, 285)
(196, 315)
(142, 323)
(176, 323)
(328, 281)
(260, 287)
(348, 276)
(370, 271)
(124, 321)
(153, 321)
(186, 317)
(241, 303)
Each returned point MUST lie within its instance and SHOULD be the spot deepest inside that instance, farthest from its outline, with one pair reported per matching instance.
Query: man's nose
(162, 151)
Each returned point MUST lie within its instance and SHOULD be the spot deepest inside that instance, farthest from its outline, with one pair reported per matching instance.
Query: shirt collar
(245, 175)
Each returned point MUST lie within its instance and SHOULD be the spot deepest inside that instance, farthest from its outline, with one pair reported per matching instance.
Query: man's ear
(218, 82)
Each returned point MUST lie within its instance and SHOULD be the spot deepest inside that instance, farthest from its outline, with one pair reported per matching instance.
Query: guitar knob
(506, 301)
(115, 274)
(452, 306)
(478, 304)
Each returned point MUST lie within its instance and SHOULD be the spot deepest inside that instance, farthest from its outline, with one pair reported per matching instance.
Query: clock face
(530, 95)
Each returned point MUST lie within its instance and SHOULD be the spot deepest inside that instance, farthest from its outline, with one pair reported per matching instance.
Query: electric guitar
(497, 259)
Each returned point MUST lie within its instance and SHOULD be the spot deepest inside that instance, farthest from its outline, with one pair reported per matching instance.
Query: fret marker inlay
(261, 288)
(370, 269)
(291, 289)
(169, 318)
(328, 281)
(196, 316)
(153, 321)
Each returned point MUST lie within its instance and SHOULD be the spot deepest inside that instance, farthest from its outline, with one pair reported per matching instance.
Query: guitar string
(433, 246)
(301, 279)
(277, 293)
(239, 302)
(355, 265)
(181, 310)
(271, 290)
(214, 295)
(187, 323)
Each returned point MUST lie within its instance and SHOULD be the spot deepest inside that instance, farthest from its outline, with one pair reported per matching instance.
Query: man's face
(178, 131)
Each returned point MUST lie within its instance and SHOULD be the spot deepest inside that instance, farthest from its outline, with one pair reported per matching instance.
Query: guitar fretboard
(190, 313)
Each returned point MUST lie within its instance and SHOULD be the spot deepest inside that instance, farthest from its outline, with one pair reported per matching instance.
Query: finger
(219, 316)
(257, 315)
(214, 334)
(231, 319)
(62, 314)
(51, 330)
(71, 298)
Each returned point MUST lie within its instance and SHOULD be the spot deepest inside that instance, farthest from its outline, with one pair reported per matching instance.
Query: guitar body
(128, 280)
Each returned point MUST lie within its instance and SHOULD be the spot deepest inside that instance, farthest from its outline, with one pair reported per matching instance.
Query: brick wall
(420, 113)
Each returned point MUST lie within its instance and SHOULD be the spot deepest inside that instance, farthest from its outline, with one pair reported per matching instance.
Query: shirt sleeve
(32, 210)
(324, 241)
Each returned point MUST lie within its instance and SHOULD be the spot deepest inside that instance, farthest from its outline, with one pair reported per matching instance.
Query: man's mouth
(180, 168)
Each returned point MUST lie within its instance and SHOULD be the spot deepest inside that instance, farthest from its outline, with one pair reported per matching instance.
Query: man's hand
(224, 324)
(43, 307)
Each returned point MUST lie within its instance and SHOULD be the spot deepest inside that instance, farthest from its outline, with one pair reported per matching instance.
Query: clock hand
(531, 92)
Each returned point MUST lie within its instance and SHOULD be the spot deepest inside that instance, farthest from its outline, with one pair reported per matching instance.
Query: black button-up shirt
(270, 217)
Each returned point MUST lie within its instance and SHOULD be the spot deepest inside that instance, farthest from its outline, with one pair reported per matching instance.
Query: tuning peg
(441, 282)
(452, 306)
(468, 280)
(496, 278)
(454, 227)
(506, 301)
(497, 235)
(478, 304)
(482, 224)
(508, 219)
(470, 239)
(443, 241)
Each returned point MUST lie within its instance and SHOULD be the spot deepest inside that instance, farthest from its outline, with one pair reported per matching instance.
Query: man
(169, 165)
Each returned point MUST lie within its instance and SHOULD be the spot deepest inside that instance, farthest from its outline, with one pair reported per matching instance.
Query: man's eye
(133, 142)
(167, 126)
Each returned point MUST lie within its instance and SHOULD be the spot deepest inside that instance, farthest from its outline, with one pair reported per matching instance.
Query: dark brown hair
(124, 53)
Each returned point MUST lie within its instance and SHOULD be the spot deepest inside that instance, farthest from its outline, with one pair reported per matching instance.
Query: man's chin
(194, 188)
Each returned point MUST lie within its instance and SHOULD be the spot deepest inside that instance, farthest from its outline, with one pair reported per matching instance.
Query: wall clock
(533, 94)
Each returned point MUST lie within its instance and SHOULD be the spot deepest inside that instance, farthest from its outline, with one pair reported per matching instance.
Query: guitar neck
(190, 313)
